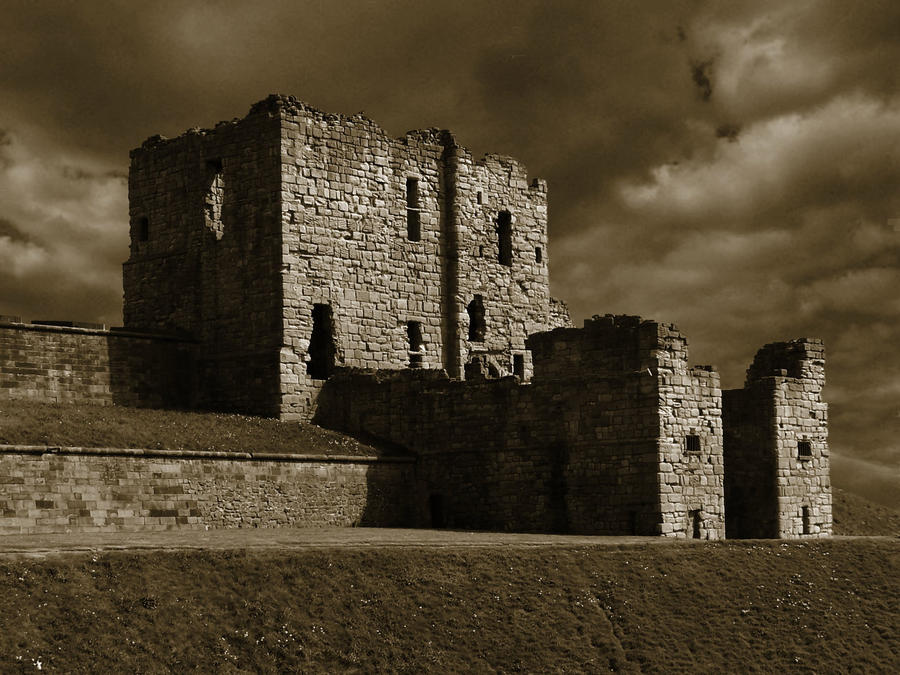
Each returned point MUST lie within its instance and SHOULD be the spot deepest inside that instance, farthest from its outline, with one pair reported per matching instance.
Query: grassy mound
(723, 607)
(854, 515)
(120, 427)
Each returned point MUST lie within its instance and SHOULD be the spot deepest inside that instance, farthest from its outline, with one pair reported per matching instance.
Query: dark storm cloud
(729, 166)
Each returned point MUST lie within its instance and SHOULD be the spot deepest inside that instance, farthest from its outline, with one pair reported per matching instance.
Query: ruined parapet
(776, 445)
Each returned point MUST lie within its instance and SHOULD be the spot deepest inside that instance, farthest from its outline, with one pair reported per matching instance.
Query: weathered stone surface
(110, 490)
(776, 445)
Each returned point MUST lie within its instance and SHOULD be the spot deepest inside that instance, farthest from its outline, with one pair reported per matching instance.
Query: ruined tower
(291, 242)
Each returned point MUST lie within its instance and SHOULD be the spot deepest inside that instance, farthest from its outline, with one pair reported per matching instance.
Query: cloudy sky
(732, 167)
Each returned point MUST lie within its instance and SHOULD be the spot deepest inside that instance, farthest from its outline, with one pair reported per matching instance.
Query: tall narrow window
(504, 238)
(215, 196)
(519, 366)
(479, 197)
(143, 228)
(416, 344)
(413, 212)
(538, 254)
(477, 324)
(804, 515)
(322, 347)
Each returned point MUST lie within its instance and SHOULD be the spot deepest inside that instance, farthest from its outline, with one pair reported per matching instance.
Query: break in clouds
(732, 167)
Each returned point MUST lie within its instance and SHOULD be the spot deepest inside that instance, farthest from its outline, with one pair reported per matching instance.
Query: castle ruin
(302, 265)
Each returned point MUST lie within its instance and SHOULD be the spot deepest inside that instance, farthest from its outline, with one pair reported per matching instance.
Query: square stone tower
(291, 241)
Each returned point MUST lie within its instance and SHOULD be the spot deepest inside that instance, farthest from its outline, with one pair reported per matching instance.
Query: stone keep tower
(291, 241)
(776, 445)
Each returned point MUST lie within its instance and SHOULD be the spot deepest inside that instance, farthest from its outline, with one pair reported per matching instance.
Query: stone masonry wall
(47, 490)
(77, 365)
(392, 231)
(776, 438)
(206, 255)
(576, 450)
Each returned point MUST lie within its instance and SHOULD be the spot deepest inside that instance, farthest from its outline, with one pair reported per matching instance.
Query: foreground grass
(120, 427)
(821, 606)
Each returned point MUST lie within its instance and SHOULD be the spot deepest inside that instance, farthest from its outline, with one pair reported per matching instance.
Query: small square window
(804, 449)
(692, 443)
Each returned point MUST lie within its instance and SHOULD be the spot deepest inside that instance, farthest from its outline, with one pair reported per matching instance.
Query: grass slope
(718, 607)
(855, 515)
(119, 427)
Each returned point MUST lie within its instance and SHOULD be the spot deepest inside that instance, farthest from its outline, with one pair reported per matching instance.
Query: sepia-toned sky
(733, 167)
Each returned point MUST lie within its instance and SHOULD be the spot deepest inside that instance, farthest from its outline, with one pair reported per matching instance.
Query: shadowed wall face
(74, 365)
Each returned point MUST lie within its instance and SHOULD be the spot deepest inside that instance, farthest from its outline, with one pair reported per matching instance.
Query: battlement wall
(776, 445)
(67, 364)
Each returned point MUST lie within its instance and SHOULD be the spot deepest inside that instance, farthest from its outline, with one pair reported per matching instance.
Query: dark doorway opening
(322, 349)
(519, 366)
(695, 521)
(805, 516)
(436, 509)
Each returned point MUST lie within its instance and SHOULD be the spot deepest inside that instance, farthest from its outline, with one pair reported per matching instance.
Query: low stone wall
(47, 490)
(66, 364)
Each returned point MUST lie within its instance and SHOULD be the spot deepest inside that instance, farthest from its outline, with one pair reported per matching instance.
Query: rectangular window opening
(538, 254)
(504, 238)
(479, 197)
(519, 366)
(804, 449)
(322, 345)
(692, 443)
(416, 344)
(413, 210)
(804, 515)
(143, 229)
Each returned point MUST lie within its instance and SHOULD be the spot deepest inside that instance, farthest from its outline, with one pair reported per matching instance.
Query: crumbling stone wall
(44, 490)
(579, 449)
(64, 364)
(776, 445)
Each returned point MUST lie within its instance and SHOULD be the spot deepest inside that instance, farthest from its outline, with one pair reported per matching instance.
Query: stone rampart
(45, 490)
(67, 364)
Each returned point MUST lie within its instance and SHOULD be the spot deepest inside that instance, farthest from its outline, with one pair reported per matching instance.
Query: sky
(732, 167)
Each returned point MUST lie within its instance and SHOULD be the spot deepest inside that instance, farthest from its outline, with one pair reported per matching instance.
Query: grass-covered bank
(27, 423)
(725, 607)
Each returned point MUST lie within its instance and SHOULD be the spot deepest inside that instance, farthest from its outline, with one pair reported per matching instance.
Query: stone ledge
(115, 331)
(201, 454)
